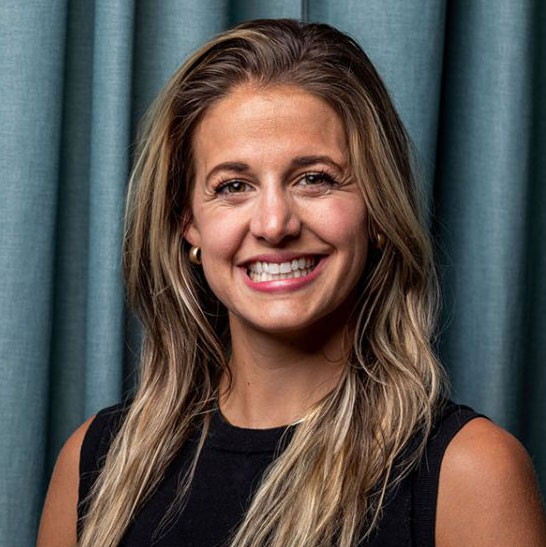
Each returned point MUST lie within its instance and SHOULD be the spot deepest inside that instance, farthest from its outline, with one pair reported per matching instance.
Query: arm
(59, 515)
(488, 493)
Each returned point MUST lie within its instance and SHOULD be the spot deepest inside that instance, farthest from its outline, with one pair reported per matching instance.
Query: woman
(276, 254)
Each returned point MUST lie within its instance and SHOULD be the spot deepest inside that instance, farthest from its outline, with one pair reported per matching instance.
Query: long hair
(328, 485)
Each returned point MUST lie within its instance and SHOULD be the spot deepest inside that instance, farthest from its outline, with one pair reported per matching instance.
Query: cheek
(344, 225)
(343, 222)
(221, 236)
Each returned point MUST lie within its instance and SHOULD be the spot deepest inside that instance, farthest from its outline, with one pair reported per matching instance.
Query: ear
(192, 235)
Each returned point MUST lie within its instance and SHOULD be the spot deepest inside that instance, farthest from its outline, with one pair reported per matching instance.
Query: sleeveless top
(229, 470)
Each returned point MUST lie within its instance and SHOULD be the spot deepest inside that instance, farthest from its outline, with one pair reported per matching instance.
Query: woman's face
(280, 221)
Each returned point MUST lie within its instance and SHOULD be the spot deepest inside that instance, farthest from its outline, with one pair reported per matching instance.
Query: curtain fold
(530, 363)
(483, 198)
(108, 171)
(468, 79)
(32, 67)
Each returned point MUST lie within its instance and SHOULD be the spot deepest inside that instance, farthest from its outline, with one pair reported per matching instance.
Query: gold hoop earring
(195, 255)
(380, 240)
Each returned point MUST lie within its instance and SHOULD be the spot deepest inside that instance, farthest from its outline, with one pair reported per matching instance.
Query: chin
(282, 323)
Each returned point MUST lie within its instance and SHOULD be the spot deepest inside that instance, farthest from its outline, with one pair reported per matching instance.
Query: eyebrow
(299, 161)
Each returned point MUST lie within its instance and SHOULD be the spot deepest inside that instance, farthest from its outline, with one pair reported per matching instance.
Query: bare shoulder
(488, 493)
(59, 515)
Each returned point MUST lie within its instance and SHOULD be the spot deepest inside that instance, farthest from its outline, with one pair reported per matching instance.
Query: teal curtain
(468, 78)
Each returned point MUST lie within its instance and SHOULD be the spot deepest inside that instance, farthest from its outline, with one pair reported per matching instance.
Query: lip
(283, 285)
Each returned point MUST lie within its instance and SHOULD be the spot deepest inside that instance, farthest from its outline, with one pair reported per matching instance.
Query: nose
(275, 215)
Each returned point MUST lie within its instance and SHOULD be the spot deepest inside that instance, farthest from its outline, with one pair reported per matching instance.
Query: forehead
(267, 125)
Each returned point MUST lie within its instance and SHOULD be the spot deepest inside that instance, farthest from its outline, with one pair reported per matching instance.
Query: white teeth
(264, 276)
(286, 267)
(283, 267)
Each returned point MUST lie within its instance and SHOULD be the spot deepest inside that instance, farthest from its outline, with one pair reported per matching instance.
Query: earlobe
(192, 235)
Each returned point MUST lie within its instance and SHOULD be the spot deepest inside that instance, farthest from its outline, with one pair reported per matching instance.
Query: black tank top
(230, 468)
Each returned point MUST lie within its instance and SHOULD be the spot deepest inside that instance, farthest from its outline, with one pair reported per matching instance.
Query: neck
(277, 378)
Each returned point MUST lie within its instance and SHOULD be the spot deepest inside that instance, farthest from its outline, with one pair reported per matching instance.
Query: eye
(230, 187)
(318, 179)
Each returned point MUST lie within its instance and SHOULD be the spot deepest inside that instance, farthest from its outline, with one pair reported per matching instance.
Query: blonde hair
(328, 485)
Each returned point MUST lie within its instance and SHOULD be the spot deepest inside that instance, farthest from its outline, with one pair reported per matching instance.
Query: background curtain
(468, 78)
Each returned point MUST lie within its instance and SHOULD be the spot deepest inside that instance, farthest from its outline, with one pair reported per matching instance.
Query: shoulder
(59, 515)
(103, 428)
(488, 492)
(73, 473)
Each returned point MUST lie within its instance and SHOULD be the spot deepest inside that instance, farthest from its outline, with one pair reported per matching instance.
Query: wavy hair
(328, 485)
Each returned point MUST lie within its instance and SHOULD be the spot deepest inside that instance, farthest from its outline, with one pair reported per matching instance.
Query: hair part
(368, 433)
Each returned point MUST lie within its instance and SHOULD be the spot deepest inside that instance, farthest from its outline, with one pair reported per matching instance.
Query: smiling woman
(293, 200)
(289, 395)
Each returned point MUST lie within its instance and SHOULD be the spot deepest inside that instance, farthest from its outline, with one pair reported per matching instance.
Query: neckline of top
(225, 435)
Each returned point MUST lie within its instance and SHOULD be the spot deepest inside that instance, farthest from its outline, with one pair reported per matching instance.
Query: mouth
(262, 272)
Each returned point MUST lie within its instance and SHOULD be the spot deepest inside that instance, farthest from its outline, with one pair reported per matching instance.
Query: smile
(282, 277)
(261, 272)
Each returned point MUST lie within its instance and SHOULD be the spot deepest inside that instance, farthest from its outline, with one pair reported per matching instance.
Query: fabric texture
(229, 471)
